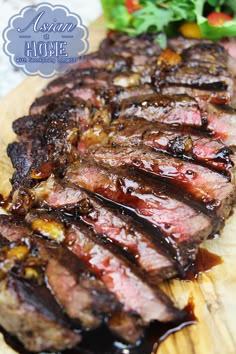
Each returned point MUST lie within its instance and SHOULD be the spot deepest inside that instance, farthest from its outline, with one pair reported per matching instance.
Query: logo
(45, 40)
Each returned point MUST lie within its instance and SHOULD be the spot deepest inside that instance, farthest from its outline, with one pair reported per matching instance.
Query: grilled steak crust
(43, 151)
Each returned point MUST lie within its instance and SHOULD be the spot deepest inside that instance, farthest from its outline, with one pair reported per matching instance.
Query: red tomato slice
(218, 18)
(132, 5)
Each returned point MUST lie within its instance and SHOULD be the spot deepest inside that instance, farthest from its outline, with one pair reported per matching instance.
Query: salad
(210, 19)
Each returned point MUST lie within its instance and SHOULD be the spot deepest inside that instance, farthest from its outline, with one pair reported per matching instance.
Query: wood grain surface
(214, 293)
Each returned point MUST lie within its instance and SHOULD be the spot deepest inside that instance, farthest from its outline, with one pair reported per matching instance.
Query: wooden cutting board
(214, 293)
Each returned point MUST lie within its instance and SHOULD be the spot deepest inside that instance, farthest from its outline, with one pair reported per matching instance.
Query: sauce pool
(102, 342)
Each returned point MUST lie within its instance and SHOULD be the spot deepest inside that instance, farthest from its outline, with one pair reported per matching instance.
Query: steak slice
(204, 72)
(133, 292)
(72, 282)
(82, 296)
(117, 41)
(176, 141)
(100, 78)
(150, 201)
(118, 94)
(222, 122)
(209, 188)
(206, 53)
(100, 60)
(119, 275)
(27, 308)
(26, 312)
(86, 76)
(179, 43)
(82, 98)
(175, 109)
(199, 77)
(67, 100)
(219, 97)
(103, 220)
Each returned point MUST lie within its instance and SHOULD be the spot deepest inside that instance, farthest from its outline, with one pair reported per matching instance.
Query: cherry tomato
(190, 30)
(132, 5)
(218, 18)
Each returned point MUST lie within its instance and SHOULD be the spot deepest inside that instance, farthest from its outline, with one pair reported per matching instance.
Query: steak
(43, 151)
(209, 188)
(222, 121)
(177, 141)
(151, 202)
(69, 278)
(103, 220)
(150, 303)
(177, 109)
(182, 110)
(110, 161)
(104, 261)
(26, 303)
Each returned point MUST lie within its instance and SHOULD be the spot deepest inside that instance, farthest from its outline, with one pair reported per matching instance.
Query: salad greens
(165, 16)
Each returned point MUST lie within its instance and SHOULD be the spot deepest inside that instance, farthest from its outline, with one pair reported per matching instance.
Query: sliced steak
(26, 312)
(118, 94)
(150, 201)
(199, 77)
(209, 188)
(135, 294)
(28, 309)
(212, 96)
(179, 44)
(100, 78)
(88, 76)
(82, 296)
(119, 275)
(209, 75)
(13, 228)
(99, 60)
(67, 100)
(206, 52)
(222, 123)
(128, 234)
(176, 141)
(141, 49)
(175, 109)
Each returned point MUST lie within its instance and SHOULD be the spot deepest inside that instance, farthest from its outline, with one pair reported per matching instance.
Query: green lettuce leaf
(165, 16)
(228, 29)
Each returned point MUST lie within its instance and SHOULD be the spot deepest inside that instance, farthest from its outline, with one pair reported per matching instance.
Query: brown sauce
(102, 342)
(205, 261)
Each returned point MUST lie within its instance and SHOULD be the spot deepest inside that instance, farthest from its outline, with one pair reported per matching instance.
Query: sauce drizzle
(204, 262)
